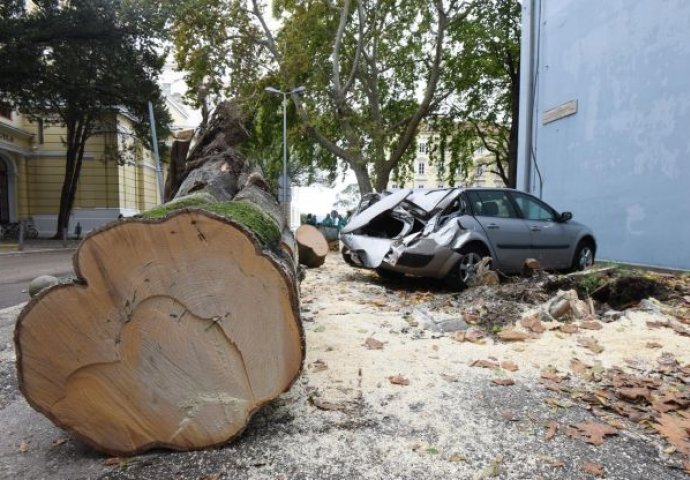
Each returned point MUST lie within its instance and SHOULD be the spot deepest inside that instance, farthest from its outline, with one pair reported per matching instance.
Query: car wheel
(584, 255)
(467, 266)
(347, 257)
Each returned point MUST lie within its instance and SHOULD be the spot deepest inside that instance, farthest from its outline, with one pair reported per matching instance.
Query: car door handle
(535, 228)
(493, 226)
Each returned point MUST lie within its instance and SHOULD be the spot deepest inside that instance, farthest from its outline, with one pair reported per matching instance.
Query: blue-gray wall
(621, 164)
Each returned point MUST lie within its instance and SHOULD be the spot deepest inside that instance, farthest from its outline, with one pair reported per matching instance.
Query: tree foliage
(484, 110)
(376, 71)
(78, 64)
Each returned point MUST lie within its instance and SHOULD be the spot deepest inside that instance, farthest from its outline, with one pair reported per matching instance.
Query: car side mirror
(565, 216)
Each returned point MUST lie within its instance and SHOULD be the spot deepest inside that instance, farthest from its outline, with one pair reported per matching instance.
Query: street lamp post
(284, 200)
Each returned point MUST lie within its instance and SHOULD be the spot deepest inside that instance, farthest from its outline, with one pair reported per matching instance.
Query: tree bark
(181, 324)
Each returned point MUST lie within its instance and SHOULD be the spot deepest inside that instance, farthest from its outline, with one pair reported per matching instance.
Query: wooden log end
(177, 330)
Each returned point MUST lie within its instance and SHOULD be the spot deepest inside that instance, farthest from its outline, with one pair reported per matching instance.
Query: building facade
(425, 171)
(118, 175)
(605, 110)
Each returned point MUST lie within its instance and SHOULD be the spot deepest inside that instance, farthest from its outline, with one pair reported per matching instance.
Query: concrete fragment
(41, 283)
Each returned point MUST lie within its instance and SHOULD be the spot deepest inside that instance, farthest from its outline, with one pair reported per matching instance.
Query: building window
(420, 168)
(394, 186)
(5, 110)
(421, 185)
(422, 147)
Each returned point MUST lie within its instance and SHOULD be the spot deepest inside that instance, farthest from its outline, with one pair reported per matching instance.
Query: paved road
(16, 271)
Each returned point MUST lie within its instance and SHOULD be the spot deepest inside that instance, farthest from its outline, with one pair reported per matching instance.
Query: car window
(533, 209)
(488, 203)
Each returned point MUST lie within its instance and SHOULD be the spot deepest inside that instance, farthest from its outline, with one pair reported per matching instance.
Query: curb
(38, 250)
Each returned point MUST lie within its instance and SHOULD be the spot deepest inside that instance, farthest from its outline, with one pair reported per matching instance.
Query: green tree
(79, 64)
(485, 108)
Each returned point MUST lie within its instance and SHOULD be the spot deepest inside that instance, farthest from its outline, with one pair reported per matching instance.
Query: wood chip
(326, 405)
(398, 380)
(579, 367)
(503, 381)
(569, 328)
(484, 364)
(552, 428)
(591, 325)
(511, 335)
(373, 344)
(533, 324)
(590, 344)
(318, 366)
(510, 366)
(593, 469)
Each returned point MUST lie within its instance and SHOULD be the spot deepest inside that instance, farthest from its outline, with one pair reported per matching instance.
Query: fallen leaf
(484, 364)
(634, 394)
(579, 367)
(318, 366)
(510, 366)
(211, 476)
(398, 380)
(552, 428)
(569, 328)
(593, 432)
(591, 325)
(457, 458)
(23, 447)
(373, 344)
(593, 469)
(509, 415)
(59, 441)
(113, 461)
(511, 335)
(591, 344)
(503, 381)
(551, 376)
(533, 324)
(675, 429)
(326, 405)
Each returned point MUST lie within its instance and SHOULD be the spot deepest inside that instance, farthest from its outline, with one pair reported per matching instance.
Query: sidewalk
(36, 246)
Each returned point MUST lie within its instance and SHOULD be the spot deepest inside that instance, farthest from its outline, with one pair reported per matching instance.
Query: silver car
(444, 233)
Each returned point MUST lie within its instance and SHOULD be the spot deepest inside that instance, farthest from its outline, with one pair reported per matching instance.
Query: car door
(506, 231)
(551, 240)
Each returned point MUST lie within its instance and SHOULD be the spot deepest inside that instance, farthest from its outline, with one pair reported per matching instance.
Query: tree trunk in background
(181, 324)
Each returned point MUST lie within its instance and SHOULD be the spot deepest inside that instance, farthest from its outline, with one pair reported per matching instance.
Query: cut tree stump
(312, 246)
(180, 325)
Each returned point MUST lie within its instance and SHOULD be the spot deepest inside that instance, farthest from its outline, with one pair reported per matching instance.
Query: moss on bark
(242, 212)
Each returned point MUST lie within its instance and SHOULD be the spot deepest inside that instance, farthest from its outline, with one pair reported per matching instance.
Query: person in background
(328, 220)
(311, 219)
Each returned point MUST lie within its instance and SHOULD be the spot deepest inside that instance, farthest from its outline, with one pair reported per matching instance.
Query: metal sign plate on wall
(561, 111)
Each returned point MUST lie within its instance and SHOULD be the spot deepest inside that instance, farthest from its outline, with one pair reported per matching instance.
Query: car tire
(584, 256)
(461, 272)
(347, 257)
(389, 274)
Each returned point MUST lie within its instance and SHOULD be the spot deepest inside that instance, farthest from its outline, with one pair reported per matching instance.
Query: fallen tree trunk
(312, 246)
(181, 324)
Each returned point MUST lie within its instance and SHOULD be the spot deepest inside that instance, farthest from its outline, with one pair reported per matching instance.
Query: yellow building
(118, 176)
(425, 171)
